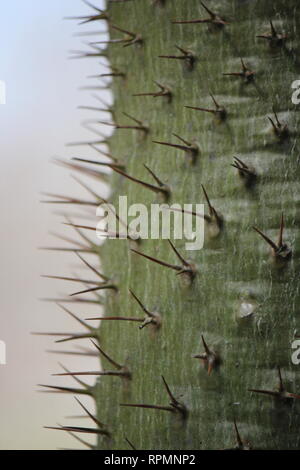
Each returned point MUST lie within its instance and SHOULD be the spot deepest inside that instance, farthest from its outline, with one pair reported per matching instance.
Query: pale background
(40, 117)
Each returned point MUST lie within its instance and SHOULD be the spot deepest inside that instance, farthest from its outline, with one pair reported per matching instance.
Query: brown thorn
(172, 398)
(293, 395)
(154, 407)
(184, 262)
(67, 200)
(182, 140)
(274, 37)
(248, 173)
(93, 418)
(172, 57)
(280, 237)
(95, 289)
(188, 148)
(75, 338)
(207, 350)
(211, 209)
(74, 279)
(85, 186)
(109, 359)
(105, 278)
(164, 92)
(121, 30)
(106, 373)
(37, 333)
(246, 73)
(276, 117)
(93, 6)
(76, 429)
(196, 214)
(73, 353)
(215, 102)
(140, 123)
(66, 250)
(273, 124)
(155, 260)
(214, 19)
(96, 142)
(93, 108)
(157, 189)
(210, 358)
(180, 147)
(281, 386)
(159, 182)
(80, 382)
(237, 434)
(187, 56)
(190, 21)
(82, 169)
(79, 232)
(208, 11)
(264, 392)
(267, 239)
(115, 318)
(206, 110)
(83, 323)
(242, 170)
(68, 300)
(273, 30)
(82, 441)
(56, 389)
(95, 162)
(233, 74)
(68, 240)
(140, 303)
(130, 443)
(242, 164)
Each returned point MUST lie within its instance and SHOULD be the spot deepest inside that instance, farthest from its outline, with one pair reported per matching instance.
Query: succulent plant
(202, 98)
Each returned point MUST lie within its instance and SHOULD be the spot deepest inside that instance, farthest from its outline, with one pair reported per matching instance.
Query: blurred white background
(39, 118)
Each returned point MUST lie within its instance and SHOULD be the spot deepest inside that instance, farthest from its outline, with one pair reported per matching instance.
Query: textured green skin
(235, 266)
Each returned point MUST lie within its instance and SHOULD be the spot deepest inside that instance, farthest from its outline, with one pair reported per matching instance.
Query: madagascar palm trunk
(218, 351)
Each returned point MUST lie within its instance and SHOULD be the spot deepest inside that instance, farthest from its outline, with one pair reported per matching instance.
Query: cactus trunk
(243, 303)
